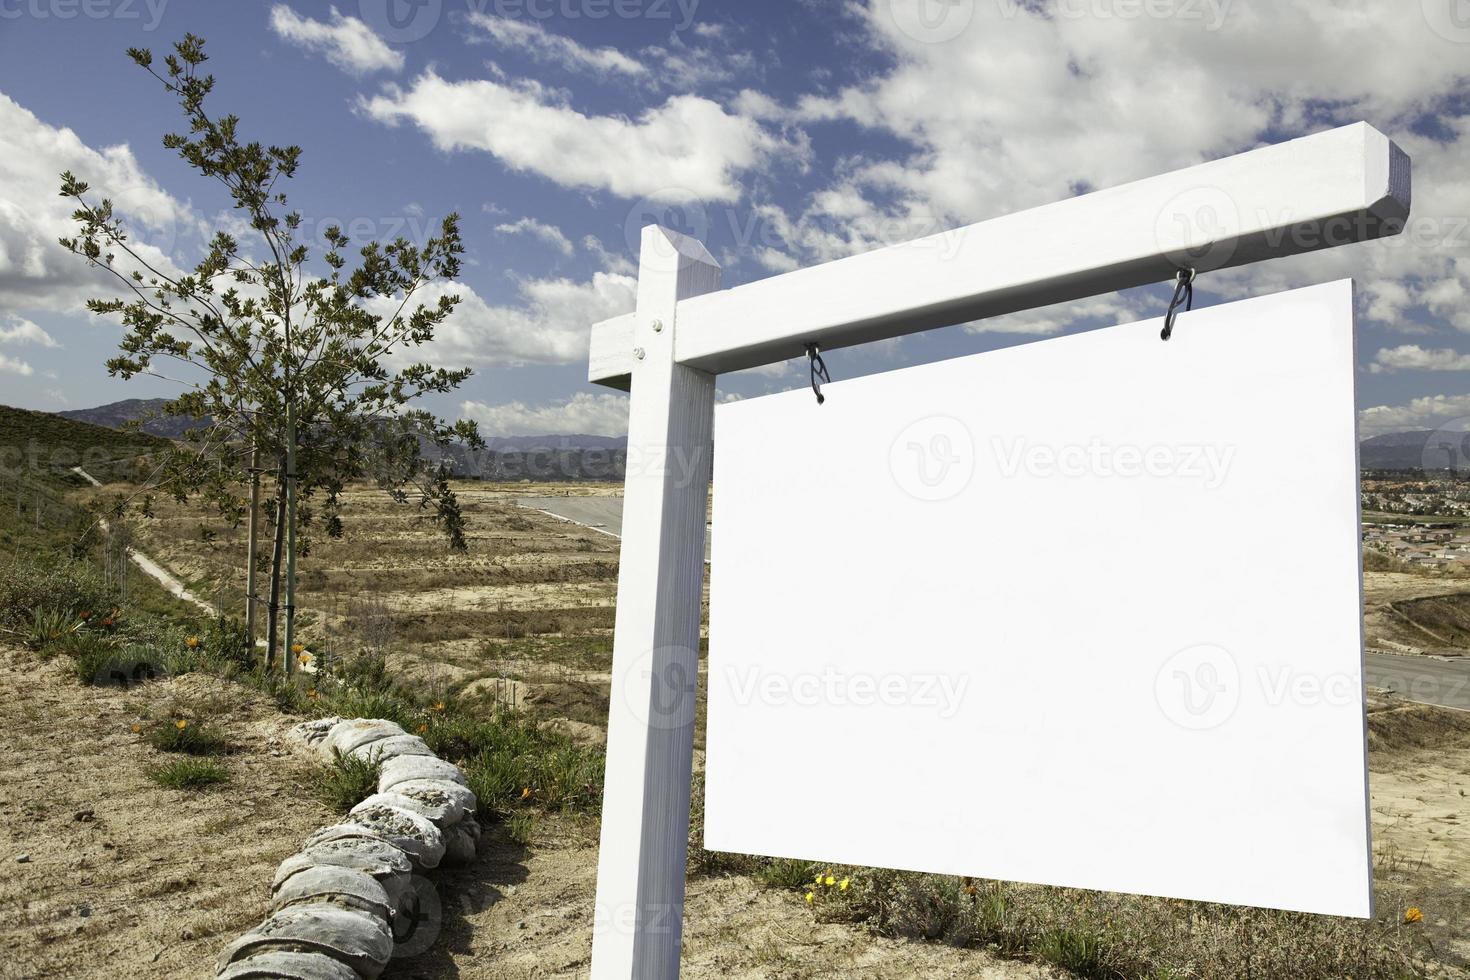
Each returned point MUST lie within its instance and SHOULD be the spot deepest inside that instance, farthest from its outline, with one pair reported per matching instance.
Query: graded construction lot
(525, 618)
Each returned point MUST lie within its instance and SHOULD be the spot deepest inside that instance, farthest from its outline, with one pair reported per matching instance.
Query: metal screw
(638, 353)
(658, 326)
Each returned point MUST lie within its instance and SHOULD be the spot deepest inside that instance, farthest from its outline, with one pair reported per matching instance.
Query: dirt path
(150, 567)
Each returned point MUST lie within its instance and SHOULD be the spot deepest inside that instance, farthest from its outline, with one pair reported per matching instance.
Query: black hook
(819, 370)
(1183, 296)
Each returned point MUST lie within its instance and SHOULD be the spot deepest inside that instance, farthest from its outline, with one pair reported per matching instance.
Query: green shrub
(521, 826)
(191, 738)
(30, 583)
(347, 781)
(786, 873)
(189, 773)
(48, 626)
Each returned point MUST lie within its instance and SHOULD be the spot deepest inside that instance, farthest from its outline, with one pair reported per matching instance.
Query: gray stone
(434, 806)
(417, 836)
(461, 842)
(326, 884)
(313, 733)
(406, 767)
(349, 735)
(429, 790)
(370, 855)
(392, 747)
(289, 966)
(359, 940)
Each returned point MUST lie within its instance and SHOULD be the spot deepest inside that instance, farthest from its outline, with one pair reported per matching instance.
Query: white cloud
(1429, 411)
(1013, 104)
(18, 330)
(12, 365)
(538, 229)
(1412, 357)
(555, 48)
(582, 414)
(35, 272)
(347, 42)
(550, 325)
(687, 148)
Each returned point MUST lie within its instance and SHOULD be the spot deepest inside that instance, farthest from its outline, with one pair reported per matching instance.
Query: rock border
(335, 903)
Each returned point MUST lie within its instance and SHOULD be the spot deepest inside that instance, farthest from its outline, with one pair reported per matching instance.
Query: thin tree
(280, 359)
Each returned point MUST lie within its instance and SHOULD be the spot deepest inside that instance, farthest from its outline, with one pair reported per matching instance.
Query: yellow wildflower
(830, 881)
(298, 648)
(1413, 914)
(842, 885)
(137, 729)
(438, 705)
(181, 724)
(526, 793)
(192, 642)
(422, 729)
(810, 897)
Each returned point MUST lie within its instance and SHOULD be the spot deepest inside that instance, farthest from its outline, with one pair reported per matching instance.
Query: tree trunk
(277, 552)
(251, 581)
(290, 649)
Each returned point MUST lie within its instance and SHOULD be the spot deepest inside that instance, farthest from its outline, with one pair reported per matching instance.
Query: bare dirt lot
(526, 616)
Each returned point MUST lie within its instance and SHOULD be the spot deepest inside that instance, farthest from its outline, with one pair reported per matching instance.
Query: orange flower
(298, 648)
(438, 705)
(526, 793)
(137, 729)
(192, 642)
(422, 729)
(1413, 914)
(181, 724)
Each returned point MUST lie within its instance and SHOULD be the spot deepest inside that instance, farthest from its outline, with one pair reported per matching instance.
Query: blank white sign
(1081, 612)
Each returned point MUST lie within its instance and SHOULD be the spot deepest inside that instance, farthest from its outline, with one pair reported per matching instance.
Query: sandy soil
(125, 878)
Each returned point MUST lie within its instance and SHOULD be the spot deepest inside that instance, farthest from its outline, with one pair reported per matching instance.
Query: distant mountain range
(1415, 450)
(549, 457)
(119, 414)
(535, 458)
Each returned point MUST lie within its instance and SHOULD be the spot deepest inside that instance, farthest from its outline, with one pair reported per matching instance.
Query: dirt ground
(156, 881)
(123, 878)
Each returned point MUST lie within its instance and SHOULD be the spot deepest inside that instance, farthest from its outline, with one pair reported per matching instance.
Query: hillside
(117, 415)
(37, 452)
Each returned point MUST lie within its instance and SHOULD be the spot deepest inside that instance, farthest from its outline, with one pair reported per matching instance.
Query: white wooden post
(650, 734)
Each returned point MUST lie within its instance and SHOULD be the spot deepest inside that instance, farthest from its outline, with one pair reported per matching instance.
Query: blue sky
(781, 133)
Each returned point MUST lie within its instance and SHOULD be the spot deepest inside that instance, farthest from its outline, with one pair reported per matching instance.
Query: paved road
(1445, 683)
(1442, 682)
(604, 514)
